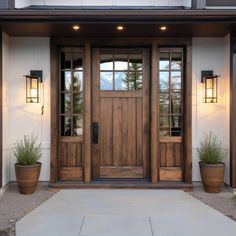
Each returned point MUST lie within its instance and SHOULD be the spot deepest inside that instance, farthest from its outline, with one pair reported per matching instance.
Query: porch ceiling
(42, 29)
(102, 22)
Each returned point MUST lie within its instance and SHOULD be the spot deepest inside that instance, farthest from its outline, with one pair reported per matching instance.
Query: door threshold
(121, 184)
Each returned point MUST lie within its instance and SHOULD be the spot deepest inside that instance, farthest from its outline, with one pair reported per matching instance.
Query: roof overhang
(52, 22)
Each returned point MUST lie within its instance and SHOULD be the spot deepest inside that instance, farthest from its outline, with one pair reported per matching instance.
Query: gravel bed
(224, 202)
(13, 206)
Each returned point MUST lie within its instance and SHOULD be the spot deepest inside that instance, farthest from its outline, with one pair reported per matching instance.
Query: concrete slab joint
(124, 213)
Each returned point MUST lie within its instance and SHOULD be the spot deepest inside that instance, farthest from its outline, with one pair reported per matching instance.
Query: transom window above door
(121, 71)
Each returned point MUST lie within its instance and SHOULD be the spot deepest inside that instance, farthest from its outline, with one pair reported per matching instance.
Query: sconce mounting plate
(205, 74)
(37, 73)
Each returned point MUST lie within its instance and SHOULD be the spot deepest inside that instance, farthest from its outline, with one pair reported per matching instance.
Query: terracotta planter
(27, 177)
(212, 176)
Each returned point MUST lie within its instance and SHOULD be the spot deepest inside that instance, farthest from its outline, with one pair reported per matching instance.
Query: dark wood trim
(87, 43)
(188, 116)
(154, 115)
(87, 145)
(1, 109)
(233, 111)
(122, 185)
(111, 15)
(54, 50)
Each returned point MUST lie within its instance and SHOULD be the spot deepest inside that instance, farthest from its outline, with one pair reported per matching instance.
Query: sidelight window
(121, 72)
(71, 93)
(170, 91)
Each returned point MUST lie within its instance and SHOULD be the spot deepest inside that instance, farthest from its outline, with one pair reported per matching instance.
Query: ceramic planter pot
(27, 177)
(212, 176)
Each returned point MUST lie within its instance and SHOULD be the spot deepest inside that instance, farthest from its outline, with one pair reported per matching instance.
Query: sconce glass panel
(32, 89)
(210, 89)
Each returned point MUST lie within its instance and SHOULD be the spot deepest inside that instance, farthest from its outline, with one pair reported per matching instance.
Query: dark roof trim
(46, 7)
(109, 15)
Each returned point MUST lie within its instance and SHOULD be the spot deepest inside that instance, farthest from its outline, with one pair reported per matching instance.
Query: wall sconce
(33, 86)
(210, 86)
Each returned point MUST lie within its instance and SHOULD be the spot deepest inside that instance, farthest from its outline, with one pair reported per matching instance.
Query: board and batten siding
(211, 54)
(25, 53)
(25, 3)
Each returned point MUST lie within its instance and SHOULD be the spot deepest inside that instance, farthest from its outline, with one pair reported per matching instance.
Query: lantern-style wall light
(210, 86)
(33, 86)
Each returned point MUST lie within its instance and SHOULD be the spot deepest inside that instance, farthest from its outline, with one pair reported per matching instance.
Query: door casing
(153, 43)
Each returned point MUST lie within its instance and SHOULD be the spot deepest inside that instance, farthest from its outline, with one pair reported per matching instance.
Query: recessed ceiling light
(120, 27)
(76, 27)
(163, 28)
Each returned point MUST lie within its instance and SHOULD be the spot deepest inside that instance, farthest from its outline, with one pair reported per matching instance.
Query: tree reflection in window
(121, 72)
(170, 87)
(71, 94)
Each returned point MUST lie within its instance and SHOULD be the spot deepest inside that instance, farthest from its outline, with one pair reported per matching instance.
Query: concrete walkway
(124, 213)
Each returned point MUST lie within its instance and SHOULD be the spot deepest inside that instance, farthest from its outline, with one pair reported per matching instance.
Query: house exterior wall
(26, 54)
(5, 75)
(211, 54)
(25, 3)
(22, 54)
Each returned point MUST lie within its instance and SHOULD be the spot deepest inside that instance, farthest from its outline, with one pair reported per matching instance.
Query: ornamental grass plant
(27, 151)
(210, 150)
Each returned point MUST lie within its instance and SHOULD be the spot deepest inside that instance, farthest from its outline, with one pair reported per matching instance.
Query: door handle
(95, 132)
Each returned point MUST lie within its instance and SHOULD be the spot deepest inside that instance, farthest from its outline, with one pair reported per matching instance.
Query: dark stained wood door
(121, 116)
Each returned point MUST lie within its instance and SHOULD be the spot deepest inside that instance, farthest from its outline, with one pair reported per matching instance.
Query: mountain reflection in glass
(121, 72)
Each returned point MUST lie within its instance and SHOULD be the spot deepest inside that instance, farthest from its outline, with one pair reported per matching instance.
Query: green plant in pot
(27, 152)
(212, 168)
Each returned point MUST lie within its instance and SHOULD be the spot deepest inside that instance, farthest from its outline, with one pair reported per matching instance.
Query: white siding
(5, 77)
(28, 54)
(211, 54)
(24, 3)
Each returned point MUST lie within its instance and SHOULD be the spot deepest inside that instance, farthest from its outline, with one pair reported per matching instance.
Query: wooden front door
(121, 116)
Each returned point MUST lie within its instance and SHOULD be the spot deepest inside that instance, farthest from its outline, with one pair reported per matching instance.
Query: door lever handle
(95, 132)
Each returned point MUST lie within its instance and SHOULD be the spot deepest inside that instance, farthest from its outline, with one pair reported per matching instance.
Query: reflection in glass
(176, 60)
(65, 81)
(164, 132)
(78, 125)
(78, 103)
(164, 108)
(77, 81)
(77, 61)
(121, 81)
(175, 125)
(164, 81)
(176, 106)
(135, 80)
(106, 62)
(135, 62)
(65, 102)
(176, 121)
(164, 62)
(176, 80)
(66, 126)
(164, 122)
(121, 62)
(106, 80)
(164, 98)
(66, 60)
